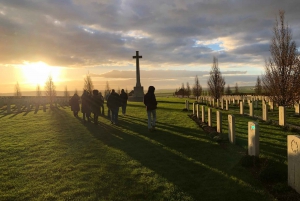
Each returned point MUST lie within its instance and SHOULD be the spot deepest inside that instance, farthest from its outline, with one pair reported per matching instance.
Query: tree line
(51, 93)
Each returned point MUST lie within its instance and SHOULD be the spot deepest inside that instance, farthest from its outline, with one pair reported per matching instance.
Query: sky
(69, 39)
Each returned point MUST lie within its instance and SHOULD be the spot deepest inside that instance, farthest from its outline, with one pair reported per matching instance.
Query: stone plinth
(231, 128)
(253, 139)
(293, 145)
(138, 94)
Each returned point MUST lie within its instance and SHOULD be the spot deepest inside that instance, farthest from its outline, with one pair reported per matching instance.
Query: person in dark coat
(151, 105)
(113, 103)
(74, 102)
(86, 105)
(124, 98)
(102, 103)
(96, 104)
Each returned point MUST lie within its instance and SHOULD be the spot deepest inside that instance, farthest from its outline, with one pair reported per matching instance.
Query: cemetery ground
(54, 156)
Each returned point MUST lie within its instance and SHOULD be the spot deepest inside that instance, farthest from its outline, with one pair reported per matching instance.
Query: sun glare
(37, 73)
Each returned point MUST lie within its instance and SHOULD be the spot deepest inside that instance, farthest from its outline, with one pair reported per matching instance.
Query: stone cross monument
(138, 94)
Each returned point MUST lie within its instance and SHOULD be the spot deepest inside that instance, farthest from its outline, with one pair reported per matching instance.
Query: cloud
(162, 74)
(90, 33)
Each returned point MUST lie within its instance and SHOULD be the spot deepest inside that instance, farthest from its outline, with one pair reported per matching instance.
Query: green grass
(54, 156)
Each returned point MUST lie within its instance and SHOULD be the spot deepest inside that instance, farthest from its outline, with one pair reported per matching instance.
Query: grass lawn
(54, 156)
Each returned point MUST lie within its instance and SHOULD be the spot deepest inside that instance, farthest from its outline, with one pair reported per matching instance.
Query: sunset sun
(37, 73)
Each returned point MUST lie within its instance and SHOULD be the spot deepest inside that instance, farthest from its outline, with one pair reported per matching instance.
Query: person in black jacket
(151, 105)
(74, 102)
(124, 98)
(113, 103)
(86, 105)
(96, 104)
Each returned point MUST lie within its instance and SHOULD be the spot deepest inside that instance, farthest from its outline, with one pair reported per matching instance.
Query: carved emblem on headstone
(294, 146)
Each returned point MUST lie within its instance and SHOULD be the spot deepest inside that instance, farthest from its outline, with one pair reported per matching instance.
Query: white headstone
(253, 139)
(194, 108)
(293, 144)
(251, 111)
(271, 103)
(297, 109)
(227, 105)
(241, 107)
(198, 111)
(209, 116)
(203, 113)
(281, 116)
(231, 128)
(264, 111)
(219, 121)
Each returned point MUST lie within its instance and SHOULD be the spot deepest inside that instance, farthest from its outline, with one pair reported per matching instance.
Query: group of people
(94, 103)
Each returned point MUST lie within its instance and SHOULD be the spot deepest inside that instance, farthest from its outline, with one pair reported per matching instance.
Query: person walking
(86, 106)
(113, 103)
(102, 104)
(96, 104)
(74, 102)
(151, 105)
(124, 98)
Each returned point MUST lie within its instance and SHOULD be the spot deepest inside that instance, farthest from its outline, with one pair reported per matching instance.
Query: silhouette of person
(113, 103)
(102, 103)
(96, 104)
(86, 105)
(151, 105)
(124, 98)
(74, 102)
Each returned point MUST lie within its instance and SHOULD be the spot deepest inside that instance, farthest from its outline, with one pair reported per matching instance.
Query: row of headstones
(293, 141)
(29, 102)
(237, 99)
(251, 104)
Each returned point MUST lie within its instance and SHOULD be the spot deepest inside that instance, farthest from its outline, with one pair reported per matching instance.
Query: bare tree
(38, 91)
(88, 84)
(282, 70)
(119, 90)
(216, 82)
(18, 90)
(188, 89)
(228, 90)
(66, 93)
(258, 86)
(236, 88)
(107, 89)
(197, 89)
(183, 89)
(50, 89)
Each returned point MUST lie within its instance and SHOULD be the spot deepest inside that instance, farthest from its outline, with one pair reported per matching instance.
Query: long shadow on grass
(201, 168)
